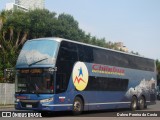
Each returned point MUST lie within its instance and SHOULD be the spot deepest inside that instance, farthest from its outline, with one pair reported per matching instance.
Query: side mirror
(51, 70)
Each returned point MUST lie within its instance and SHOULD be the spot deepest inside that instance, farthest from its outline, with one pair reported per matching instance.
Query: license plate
(29, 106)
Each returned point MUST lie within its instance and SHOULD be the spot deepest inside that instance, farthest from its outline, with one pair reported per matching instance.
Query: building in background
(26, 5)
(120, 46)
(31, 4)
(13, 6)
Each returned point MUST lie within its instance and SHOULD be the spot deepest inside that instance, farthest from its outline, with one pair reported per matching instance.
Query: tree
(18, 26)
(2, 19)
(158, 66)
(158, 72)
(67, 27)
(42, 23)
(9, 39)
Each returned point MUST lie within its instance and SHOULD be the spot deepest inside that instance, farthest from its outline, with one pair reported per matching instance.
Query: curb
(6, 106)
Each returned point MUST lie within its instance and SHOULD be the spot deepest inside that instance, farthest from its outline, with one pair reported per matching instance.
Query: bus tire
(142, 103)
(134, 103)
(78, 106)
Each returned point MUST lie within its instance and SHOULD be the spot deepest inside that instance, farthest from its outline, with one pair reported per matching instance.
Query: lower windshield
(35, 81)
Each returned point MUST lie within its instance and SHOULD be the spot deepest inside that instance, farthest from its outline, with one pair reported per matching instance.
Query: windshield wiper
(20, 92)
(37, 61)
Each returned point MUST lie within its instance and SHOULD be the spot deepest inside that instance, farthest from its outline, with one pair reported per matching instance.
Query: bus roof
(73, 41)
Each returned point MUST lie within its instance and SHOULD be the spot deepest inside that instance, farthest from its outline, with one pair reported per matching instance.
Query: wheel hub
(77, 106)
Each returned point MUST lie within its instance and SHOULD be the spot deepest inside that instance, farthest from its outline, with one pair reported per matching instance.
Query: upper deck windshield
(38, 52)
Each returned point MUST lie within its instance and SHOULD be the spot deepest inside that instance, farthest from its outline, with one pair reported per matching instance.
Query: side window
(150, 65)
(88, 54)
(100, 56)
(108, 57)
(61, 84)
(81, 53)
(67, 56)
(68, 51)
(85, 53)
(113, 59)
(106, 84)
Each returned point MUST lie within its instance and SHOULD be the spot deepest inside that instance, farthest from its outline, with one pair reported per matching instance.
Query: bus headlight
(46, 100)
(17, 100)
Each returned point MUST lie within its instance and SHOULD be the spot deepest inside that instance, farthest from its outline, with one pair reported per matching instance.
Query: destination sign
(33, 71)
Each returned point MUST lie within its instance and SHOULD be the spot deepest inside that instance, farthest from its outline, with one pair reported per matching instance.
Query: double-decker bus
(55, 74)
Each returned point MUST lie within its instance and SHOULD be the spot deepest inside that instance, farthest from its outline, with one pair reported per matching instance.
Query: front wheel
(77, 106)
(133, 103)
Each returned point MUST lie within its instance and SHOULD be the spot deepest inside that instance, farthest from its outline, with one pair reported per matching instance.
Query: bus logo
(80, 76)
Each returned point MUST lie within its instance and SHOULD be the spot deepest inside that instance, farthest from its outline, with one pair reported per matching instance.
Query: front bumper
(33, 105)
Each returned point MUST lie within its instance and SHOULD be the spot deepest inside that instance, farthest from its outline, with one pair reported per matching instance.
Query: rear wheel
(133, 103)
(142, 103)
(77, 106)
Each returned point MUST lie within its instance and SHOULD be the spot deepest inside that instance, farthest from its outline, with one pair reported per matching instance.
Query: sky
(136, 23)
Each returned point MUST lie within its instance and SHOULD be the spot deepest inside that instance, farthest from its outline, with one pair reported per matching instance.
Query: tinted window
(106, 57)
(68, 51)
(106, 84)
(67, 57)
(85, 53)
(88, 54)
(81, 52)
(100, 56)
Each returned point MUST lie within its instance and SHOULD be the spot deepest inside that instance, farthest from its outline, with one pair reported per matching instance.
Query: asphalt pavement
(120, 114)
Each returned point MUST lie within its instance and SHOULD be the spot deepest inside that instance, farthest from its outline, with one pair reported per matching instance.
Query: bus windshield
(35, 81)
(38, 52)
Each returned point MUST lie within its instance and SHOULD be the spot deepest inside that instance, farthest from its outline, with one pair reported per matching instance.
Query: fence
(7, 91)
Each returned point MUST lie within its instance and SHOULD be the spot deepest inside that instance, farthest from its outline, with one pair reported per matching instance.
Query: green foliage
(158, 72)
(42, 23)
(68, 28)
(18, 26)
(158, 66)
